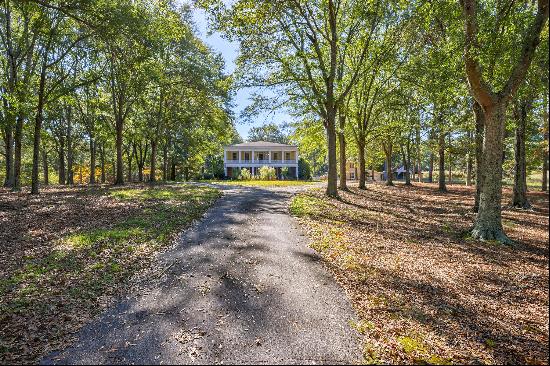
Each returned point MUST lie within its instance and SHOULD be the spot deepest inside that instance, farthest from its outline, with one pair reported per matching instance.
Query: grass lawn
(69, 251)
(425, 292)
(263, 183)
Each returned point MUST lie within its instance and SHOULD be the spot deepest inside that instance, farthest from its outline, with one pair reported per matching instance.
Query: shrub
(284, 172)
(304, 169)
(245, 174)
(268, 173)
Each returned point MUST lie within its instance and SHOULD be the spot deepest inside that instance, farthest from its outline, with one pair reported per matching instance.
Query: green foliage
(267, 173)
(269, 132)
(245, 174)
(304, 169)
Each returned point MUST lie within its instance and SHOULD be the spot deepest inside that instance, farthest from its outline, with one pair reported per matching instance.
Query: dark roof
(260, 144)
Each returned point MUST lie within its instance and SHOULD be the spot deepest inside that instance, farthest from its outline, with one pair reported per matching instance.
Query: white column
(252, 153)
(225, 170)
(269, 156)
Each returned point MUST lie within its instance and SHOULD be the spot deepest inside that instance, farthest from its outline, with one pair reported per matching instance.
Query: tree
(269, 132)
(488, 224)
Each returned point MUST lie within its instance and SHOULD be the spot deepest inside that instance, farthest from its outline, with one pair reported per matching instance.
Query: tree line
(115, 91)
(419, 82)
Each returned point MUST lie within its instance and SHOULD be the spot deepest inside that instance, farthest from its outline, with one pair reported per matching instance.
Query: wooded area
(108, 91)
(96, 94)
(463, 84)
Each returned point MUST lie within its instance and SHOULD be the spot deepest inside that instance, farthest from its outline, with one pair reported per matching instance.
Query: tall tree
(488, 224)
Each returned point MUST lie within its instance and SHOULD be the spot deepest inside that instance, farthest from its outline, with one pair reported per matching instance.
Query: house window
(235, 157)
(352, 175)
(246, 156)
(287, 156)
(260, 156)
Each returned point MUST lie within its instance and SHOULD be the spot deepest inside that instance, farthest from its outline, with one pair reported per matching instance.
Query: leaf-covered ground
(69, 251)
(424, 290)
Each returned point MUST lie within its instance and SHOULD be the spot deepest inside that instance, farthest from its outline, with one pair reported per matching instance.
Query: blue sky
(229, 52)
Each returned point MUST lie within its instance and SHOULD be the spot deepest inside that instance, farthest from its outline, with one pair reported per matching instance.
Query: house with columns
(254, 155)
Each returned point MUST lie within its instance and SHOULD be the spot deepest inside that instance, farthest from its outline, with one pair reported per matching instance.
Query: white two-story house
(254, 155)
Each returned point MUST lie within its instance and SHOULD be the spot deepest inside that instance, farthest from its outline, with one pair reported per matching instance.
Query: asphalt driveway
(241, 286)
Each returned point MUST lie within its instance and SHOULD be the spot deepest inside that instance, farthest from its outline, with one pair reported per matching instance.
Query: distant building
(254, 155)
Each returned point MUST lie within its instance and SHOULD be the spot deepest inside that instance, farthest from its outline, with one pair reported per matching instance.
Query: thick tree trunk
(480, 130)
(92, 159)
(362, 167)
(488, 224)
(119, 164)
(45, 167)
(519, 198)
(342, 143)
(441, 150)
(153, 177)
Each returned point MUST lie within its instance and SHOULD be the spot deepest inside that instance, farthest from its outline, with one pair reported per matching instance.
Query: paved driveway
(241, 286)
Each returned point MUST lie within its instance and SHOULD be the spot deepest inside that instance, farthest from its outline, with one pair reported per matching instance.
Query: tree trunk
(418, 157)
(129, 157)
(18, 153)
(441, 147)
(480, 130)
(61, 153)
(362, 167)
(406, 162)
(102, 158)
(70, 155)
(153, 177)
(165, 162)
(488, 224)
(8, 142)
(119, 164)
(519, 198)
(450, 162)
(469, 163)
(544, 186)
(342, 143)
(35, 180)
(92, 159)
(388, 147)
(431, 169)
(332, 189)
(45, 166)
(173, 172)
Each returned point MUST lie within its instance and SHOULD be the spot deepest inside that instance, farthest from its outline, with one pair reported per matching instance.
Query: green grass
(263, 183)
(83, 266)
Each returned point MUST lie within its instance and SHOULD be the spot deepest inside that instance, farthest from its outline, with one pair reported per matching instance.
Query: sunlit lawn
(66, 252)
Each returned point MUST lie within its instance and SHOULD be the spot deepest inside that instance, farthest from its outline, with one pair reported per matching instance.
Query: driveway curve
(240, 287)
